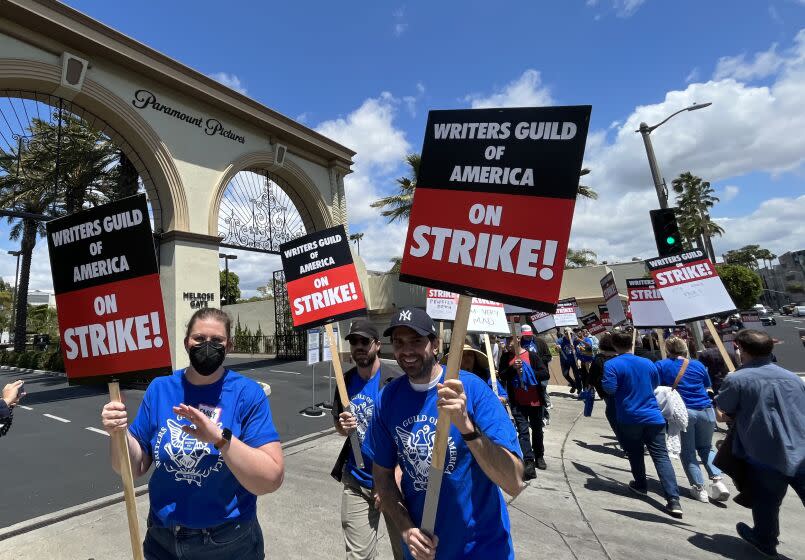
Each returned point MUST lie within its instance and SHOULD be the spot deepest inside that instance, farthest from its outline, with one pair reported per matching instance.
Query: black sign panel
(319, 251)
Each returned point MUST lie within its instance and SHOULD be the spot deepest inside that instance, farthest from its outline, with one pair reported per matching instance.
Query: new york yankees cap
(413, 318)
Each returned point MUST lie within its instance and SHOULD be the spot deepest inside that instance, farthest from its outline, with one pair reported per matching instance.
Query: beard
(365, 359)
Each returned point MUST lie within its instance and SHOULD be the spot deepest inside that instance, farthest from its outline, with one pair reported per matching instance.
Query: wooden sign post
(720, 345)
(492, 373)
(661, 343)
(634, 338)
(443, 422)
(124, 460)
(342, 392)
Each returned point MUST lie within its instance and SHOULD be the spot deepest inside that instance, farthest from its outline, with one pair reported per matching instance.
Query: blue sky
(366, 74)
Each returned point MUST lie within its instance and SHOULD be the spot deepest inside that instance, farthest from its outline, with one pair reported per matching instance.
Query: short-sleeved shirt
(693, 385)
(584, 348)
(567, 353)
(632, 381)
(191, 484)
(768, 404)
(363, 395)
(471, 520)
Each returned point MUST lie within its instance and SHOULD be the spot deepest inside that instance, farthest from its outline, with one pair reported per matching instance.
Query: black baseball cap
(413, 318)
(364, 328)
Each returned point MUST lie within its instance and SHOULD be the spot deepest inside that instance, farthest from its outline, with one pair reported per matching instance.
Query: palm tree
(399, 205)
(577, 258)
(356, 237)
(396, 264)
(694, 199)
(765, 255)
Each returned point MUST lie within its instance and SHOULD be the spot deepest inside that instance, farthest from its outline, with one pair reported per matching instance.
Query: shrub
(53, 361)
(29, 360)
(11, 359)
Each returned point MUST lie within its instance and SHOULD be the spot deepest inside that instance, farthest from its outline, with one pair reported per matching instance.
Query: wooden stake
(443, 423)
(441, 339)
(342, 392)
(124, 460)
(634, 338)
(651, 342)
(661, 343)
(492, 374)
(720, 345)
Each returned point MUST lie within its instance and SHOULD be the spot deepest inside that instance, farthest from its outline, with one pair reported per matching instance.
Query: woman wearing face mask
(209, 433)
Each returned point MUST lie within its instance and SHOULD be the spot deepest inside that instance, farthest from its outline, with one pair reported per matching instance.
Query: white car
(799, 311)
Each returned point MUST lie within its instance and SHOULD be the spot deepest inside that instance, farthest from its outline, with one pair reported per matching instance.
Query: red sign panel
(494, 203)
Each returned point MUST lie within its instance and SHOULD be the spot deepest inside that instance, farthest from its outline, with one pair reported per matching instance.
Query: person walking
(606, 351)
(714, 362)
(567, 359)
(538, 345)
(209, 434)
(766, 405)
(360, 514)
(482, 455)
(691, 380)
(523, 372)
(475, 361)
(632, 380)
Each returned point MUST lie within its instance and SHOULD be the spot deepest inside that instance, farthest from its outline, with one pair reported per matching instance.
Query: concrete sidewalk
(580, 508)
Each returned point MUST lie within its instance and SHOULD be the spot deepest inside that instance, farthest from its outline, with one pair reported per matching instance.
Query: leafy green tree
(6, 300)
(43, 320)
(694, 199)
(233, 293)
(743, 284)
(577, 258)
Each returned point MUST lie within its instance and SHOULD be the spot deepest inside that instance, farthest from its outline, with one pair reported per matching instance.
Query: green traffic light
(670, 240)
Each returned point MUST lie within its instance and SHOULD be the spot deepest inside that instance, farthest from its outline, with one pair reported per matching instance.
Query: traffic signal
(666, 232)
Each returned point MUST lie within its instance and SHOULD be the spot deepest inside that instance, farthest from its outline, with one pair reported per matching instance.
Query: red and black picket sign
(603, 313)
(108, 297)
(321, 279)
(592, 323)
(494, 203)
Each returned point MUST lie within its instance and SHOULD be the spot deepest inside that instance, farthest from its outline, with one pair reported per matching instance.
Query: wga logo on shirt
(416, 449)
(184, 453)
(362, 407)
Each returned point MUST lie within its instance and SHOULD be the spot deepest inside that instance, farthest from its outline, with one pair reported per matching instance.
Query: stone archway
(126, 128)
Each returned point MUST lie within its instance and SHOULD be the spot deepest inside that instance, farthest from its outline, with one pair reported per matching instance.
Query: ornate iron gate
(290, 343)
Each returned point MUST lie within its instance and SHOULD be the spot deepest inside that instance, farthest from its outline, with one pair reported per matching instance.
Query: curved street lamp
(645, 130)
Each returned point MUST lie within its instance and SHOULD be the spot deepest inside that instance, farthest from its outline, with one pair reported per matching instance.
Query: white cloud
(729, 193)
(229, 80)
(381, 242)
(626, 8)
(380, 147)
(400, 26)
(748, 129)
(525, 91)
(302, 117)
(692, 76)
(762, 65)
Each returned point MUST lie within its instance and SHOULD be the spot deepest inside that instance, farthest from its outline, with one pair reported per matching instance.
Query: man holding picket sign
(484, 176)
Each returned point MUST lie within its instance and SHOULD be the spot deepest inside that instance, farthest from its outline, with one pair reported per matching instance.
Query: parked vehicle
(799, 311)
(788, 308)
(766, 319)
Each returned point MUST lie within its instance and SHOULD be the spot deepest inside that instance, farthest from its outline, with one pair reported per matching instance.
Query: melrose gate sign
(211, 126)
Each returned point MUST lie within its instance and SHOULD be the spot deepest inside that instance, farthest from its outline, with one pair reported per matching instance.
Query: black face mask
(207, 357)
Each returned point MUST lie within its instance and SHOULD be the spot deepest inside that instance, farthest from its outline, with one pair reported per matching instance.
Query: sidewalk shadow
(64, 394)
(596, 482)
(598, 448)
(727, 546)
(650, 517)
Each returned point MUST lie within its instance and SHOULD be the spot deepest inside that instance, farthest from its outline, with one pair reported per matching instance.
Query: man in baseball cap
(483, 454)
(359, 515)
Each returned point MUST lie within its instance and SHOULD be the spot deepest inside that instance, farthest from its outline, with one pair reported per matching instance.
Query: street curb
(38, 371)
(88, 507)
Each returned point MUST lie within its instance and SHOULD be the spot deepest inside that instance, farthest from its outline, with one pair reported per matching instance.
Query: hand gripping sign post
(614, 304)
(690, 286)
(111, 319)
(649, 310)
(491, 218)
(323, 287)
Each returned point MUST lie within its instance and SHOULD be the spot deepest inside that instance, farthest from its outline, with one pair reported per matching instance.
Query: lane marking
(283, 371)
(60, 419)
(25, 407)
(97, 431)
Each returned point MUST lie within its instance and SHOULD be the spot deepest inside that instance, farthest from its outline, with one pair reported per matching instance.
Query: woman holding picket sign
(208, 431)
(691, 379)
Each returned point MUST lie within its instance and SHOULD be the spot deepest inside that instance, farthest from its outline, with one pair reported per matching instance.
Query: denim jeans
(698, 439)
(525, 417)
(611, 414)
(633, 438)
(769, 488)
(242, 540)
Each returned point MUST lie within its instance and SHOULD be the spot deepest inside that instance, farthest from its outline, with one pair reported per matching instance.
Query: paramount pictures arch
(218, 168)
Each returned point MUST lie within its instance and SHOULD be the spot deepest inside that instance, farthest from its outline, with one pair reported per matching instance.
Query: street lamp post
(16, 278)
(226, 258)
(645, 131)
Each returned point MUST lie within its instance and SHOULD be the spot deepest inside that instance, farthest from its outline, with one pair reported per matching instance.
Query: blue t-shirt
(191, 484)
(471, 519)
(632, 381)
(693, 385)
(567, 353)
(584, 348)
(363, 396)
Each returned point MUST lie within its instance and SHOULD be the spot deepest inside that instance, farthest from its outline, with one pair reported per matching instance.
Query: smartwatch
(474, 434)
(226, 437)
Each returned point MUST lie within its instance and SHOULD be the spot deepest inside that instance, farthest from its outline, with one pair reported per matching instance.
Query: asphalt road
(56, 456)
(789, 350)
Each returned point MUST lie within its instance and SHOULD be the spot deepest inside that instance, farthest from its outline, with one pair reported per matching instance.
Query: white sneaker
(718, 491)
(698, 493)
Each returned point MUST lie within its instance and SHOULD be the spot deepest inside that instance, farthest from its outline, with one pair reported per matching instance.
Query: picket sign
(661, 343)
(122, 449)
(492, 374)
(443, 423)
(342, 392)
(724, 355)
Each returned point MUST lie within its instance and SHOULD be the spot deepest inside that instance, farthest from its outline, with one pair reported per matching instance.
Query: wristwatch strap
(226, 437)
(474, 434)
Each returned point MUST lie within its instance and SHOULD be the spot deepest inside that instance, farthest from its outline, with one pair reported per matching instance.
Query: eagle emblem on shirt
(416, 452)
(363, 407)
(186, 453)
